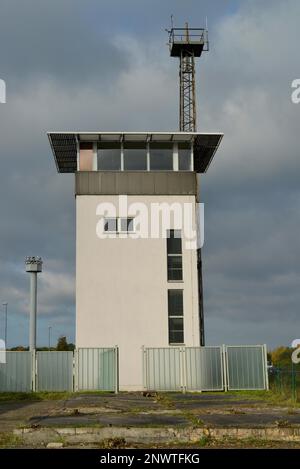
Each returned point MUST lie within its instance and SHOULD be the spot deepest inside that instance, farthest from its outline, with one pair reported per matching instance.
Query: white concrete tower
(136, 266)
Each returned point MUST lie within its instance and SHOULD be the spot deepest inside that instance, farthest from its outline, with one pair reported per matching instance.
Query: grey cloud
(42, 40)
(251, 191)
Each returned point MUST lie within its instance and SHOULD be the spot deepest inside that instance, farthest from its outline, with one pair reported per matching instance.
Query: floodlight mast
(188, 43)
(33, 265)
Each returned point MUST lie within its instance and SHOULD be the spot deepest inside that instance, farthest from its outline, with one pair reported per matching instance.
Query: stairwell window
(174, 254)
(175, 314)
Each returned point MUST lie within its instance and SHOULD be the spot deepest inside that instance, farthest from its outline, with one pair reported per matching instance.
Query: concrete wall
(122, 289)
(135, 182)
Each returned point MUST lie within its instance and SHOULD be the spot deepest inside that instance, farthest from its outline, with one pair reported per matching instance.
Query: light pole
(5, 323)
(33, 266)
(49, 337)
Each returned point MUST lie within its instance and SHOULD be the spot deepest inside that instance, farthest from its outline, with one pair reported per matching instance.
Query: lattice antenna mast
(187, 43)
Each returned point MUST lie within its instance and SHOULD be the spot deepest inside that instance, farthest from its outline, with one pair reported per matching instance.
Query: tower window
(175, 316)
(126, 224)
(111, 224)
(109, 156)
(135, 156)
(161, 156)
(174, 254)
(119, 225)
(184, 157)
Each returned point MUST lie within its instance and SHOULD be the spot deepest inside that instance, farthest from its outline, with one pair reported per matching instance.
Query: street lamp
(49, 337)
(5, 326)
(33, 266)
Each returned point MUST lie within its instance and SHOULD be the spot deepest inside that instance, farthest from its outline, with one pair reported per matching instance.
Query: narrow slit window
(174, 255)
(175, 317)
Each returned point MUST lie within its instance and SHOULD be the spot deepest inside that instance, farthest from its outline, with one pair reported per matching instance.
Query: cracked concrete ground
(178, 415)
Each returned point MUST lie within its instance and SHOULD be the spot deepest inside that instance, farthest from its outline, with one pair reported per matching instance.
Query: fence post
(293, 383)
(144, 364)
(278, 380)
(224, 368)
(116, 354)
(183, 369)
(33, 370)
(74, 371)
(265, 356)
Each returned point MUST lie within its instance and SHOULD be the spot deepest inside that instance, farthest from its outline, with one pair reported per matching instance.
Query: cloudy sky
(103, 65)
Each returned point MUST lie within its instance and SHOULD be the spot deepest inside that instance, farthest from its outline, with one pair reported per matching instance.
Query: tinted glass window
(174, 242)
(135, 157)
(109, 157)
(175, 302)
(126, 224)
(174, 267)
(161, 157)
(184, 157)
(175, 313)
(110, 224)
(176, 333)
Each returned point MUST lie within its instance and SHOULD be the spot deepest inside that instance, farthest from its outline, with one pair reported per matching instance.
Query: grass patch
(44, 395)
(272, 397)
(204, 441)
(33, 396)
(9, 440)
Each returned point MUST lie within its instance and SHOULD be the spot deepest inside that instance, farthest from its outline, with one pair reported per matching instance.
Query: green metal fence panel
(16, 373)
(246, 367)
(163, 370)
(97, 369)
(204, 369)
(54, 371)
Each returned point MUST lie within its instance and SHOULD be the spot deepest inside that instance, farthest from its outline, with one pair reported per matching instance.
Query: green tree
(63, 345)
(282, 357)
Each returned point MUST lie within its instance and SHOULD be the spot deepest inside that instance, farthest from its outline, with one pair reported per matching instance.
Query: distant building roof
(65, 145)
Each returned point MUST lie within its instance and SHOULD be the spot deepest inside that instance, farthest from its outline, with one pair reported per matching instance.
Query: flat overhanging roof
(65, 145)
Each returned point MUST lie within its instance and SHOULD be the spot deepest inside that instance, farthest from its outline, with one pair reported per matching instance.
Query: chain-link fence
(286, 382)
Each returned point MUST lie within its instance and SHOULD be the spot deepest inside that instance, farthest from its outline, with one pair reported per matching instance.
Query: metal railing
(182, 369)
(93, 369)
(219, 368)
(16, 373)
(286, 382)
(198, 35)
